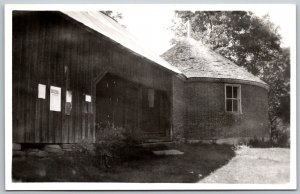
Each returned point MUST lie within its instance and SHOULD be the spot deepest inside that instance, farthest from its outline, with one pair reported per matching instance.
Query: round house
(223, 101)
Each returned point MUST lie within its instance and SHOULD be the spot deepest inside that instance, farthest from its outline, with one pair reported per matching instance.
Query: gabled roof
(196, 60)
(106, 26)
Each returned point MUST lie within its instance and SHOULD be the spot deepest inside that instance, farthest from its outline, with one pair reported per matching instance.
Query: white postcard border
(9, 185)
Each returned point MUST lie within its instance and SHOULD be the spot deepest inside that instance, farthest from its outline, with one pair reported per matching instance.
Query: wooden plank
(66, 63)
(76, 119)
(64, 119)
(51, 79)
(35, 73)
(45, 66)
(18, 48)
(55, 74)
(84, 89)
(43, 80)
(28, 64)
(33, 47)
(60, 80)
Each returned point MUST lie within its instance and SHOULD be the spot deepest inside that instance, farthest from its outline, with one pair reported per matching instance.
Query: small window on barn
(233, 98)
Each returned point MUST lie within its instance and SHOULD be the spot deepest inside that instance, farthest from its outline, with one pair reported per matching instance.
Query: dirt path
(254, 165)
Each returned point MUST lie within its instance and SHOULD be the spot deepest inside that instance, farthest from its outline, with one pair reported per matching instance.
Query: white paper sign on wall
(68, 96)
(42, 91)
(55, 98)
(88, 98)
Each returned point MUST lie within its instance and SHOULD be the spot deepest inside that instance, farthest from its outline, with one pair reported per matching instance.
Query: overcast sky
(150, 24)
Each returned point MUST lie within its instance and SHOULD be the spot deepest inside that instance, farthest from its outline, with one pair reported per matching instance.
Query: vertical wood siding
(45, 44)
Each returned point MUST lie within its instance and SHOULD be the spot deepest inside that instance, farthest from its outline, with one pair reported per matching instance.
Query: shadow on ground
(136, 165)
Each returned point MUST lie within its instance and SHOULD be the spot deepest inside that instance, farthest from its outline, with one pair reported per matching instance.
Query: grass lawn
(200, 163)
(138, 165)
(254, 165)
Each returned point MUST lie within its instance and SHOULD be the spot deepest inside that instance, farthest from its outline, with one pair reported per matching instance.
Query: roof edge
(154, 58)
(228, 80)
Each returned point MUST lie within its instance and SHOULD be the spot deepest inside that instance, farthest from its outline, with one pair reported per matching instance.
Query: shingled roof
(196, 60)
(106, 26)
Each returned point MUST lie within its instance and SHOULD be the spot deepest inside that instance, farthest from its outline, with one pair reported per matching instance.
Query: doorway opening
(134, 107)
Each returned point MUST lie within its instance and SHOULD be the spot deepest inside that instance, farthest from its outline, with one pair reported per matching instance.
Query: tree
(113, 15)
(250, 41)
(240, 36)
(277, 75)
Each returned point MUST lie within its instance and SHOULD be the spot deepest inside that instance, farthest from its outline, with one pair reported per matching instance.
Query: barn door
(155, 113)
(117, 102)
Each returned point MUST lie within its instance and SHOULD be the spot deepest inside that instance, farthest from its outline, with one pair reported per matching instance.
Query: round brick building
(223, 101)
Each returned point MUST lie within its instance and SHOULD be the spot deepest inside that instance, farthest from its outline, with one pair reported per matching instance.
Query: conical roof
(196, 60)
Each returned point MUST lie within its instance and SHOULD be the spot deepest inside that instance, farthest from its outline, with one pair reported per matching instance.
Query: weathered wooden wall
(52, 49)
(126, 104)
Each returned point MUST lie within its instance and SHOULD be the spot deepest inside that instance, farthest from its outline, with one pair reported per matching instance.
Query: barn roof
(196, 60)
(111, 29)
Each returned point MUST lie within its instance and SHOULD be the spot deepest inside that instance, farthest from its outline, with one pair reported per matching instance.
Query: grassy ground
(136, 165)
(254, 165)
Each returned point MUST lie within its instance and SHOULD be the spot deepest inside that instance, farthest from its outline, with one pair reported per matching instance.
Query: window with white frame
(233, 98)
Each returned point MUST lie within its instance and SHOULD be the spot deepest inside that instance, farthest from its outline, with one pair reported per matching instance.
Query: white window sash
(238, 98)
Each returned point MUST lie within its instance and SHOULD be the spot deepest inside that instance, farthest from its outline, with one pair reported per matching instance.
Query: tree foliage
(114, 15)
(250, 41)
(240, 36)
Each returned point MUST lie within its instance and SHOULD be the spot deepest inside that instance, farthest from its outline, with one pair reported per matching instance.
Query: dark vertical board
(27, 55)
(18, 135)
(64, 117)
(41, 78)
(36, 103)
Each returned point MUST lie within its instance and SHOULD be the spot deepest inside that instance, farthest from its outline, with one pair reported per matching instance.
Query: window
(233, 98)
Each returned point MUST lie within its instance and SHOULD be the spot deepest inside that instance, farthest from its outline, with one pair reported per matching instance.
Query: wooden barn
(73, 70)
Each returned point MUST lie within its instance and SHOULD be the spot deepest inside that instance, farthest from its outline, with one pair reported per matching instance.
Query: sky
(151, 24)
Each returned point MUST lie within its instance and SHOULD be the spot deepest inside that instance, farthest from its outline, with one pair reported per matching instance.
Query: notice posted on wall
(55, 98)
(42, 91)
(88, 98)
(68, 96)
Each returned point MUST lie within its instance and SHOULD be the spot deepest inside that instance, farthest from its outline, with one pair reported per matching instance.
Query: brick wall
(207, 119)
(178, 109)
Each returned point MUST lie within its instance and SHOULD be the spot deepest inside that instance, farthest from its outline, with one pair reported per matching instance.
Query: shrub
(281, 134)
(116, 144)
(109, 136)
(82, 156)
(259, 143)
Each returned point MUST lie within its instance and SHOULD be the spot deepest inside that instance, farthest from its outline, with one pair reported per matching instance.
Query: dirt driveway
(254, 165)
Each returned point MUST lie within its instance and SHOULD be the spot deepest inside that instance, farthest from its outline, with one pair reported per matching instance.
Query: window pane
(235, 105)
(228, 105)
(229, 91)
(235, 91)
